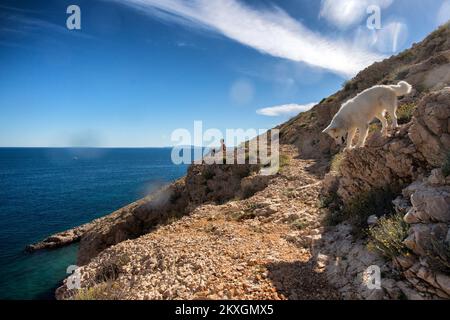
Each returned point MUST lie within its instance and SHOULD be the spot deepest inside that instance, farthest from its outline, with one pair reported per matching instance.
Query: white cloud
(345, 13)
(271, 31)
(444, 13)
(285, 109)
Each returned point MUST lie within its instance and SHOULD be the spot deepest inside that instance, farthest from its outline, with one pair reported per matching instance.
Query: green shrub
(421, 88)
(402, 73)
(284, 160)
(290, 193)
(374, 127)
(349, 85)
(104, 291)
(93, 293)
(406, 55)
(300, 223)
(387, 236)
(330, 99)
(332, 205)
(334, 217)
(446, 166)
(336, 161)
(405, 112)
(208, 173)
(373, 202)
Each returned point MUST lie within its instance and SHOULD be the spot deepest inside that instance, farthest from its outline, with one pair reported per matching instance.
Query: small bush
(208, 174)
(104, 291)
(401, 74)
(349, 85)
(406, 55)
(300, 223)
(334, 217)
(405, 113)
(336, 161)
(107, 271)
(387, 236)
(446, 166)
(242, 215)
(333, 208)
(290, 193)
(253, 206)
(374, 127)
(284, 160)
(330, 99)
(374, 202)
(421, 88)
(93, 293)
(325, 201)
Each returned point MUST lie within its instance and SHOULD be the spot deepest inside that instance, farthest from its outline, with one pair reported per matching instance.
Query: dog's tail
(401, 88)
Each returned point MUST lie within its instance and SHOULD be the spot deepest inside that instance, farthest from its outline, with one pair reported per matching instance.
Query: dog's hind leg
(390, 104)
(393, 113)
(363, 132)
(350, 136)
(384, 123)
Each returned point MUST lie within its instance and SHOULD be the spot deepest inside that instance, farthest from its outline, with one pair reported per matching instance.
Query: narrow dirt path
(257, 248)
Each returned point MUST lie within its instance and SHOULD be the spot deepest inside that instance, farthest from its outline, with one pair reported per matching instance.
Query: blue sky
(139, 69)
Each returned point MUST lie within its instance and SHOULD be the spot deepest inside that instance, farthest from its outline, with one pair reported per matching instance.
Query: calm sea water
(47, 190)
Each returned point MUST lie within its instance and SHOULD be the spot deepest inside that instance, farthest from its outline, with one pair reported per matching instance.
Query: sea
(48, 190)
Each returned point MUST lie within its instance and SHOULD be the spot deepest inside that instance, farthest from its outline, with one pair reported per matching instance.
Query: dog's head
(338, 134)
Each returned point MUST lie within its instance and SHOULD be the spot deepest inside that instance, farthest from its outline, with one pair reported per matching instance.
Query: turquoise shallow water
(46, 190)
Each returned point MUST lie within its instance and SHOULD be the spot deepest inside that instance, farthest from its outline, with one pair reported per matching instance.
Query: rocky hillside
(311, 230)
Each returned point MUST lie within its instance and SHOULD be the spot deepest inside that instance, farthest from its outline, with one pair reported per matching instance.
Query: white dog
(357, 113)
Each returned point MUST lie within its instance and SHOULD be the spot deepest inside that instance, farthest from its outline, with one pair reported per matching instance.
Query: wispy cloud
(271, 31)
(27, 23)
(443, 15)
(345, 13)
(285, 109)
(10, 8)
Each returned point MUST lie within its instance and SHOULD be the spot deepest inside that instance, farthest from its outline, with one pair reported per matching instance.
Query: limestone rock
(420, 237)
(431, 204)
(444, 282)
(429, 131)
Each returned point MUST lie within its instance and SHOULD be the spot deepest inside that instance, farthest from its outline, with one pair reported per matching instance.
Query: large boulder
(430, 131)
